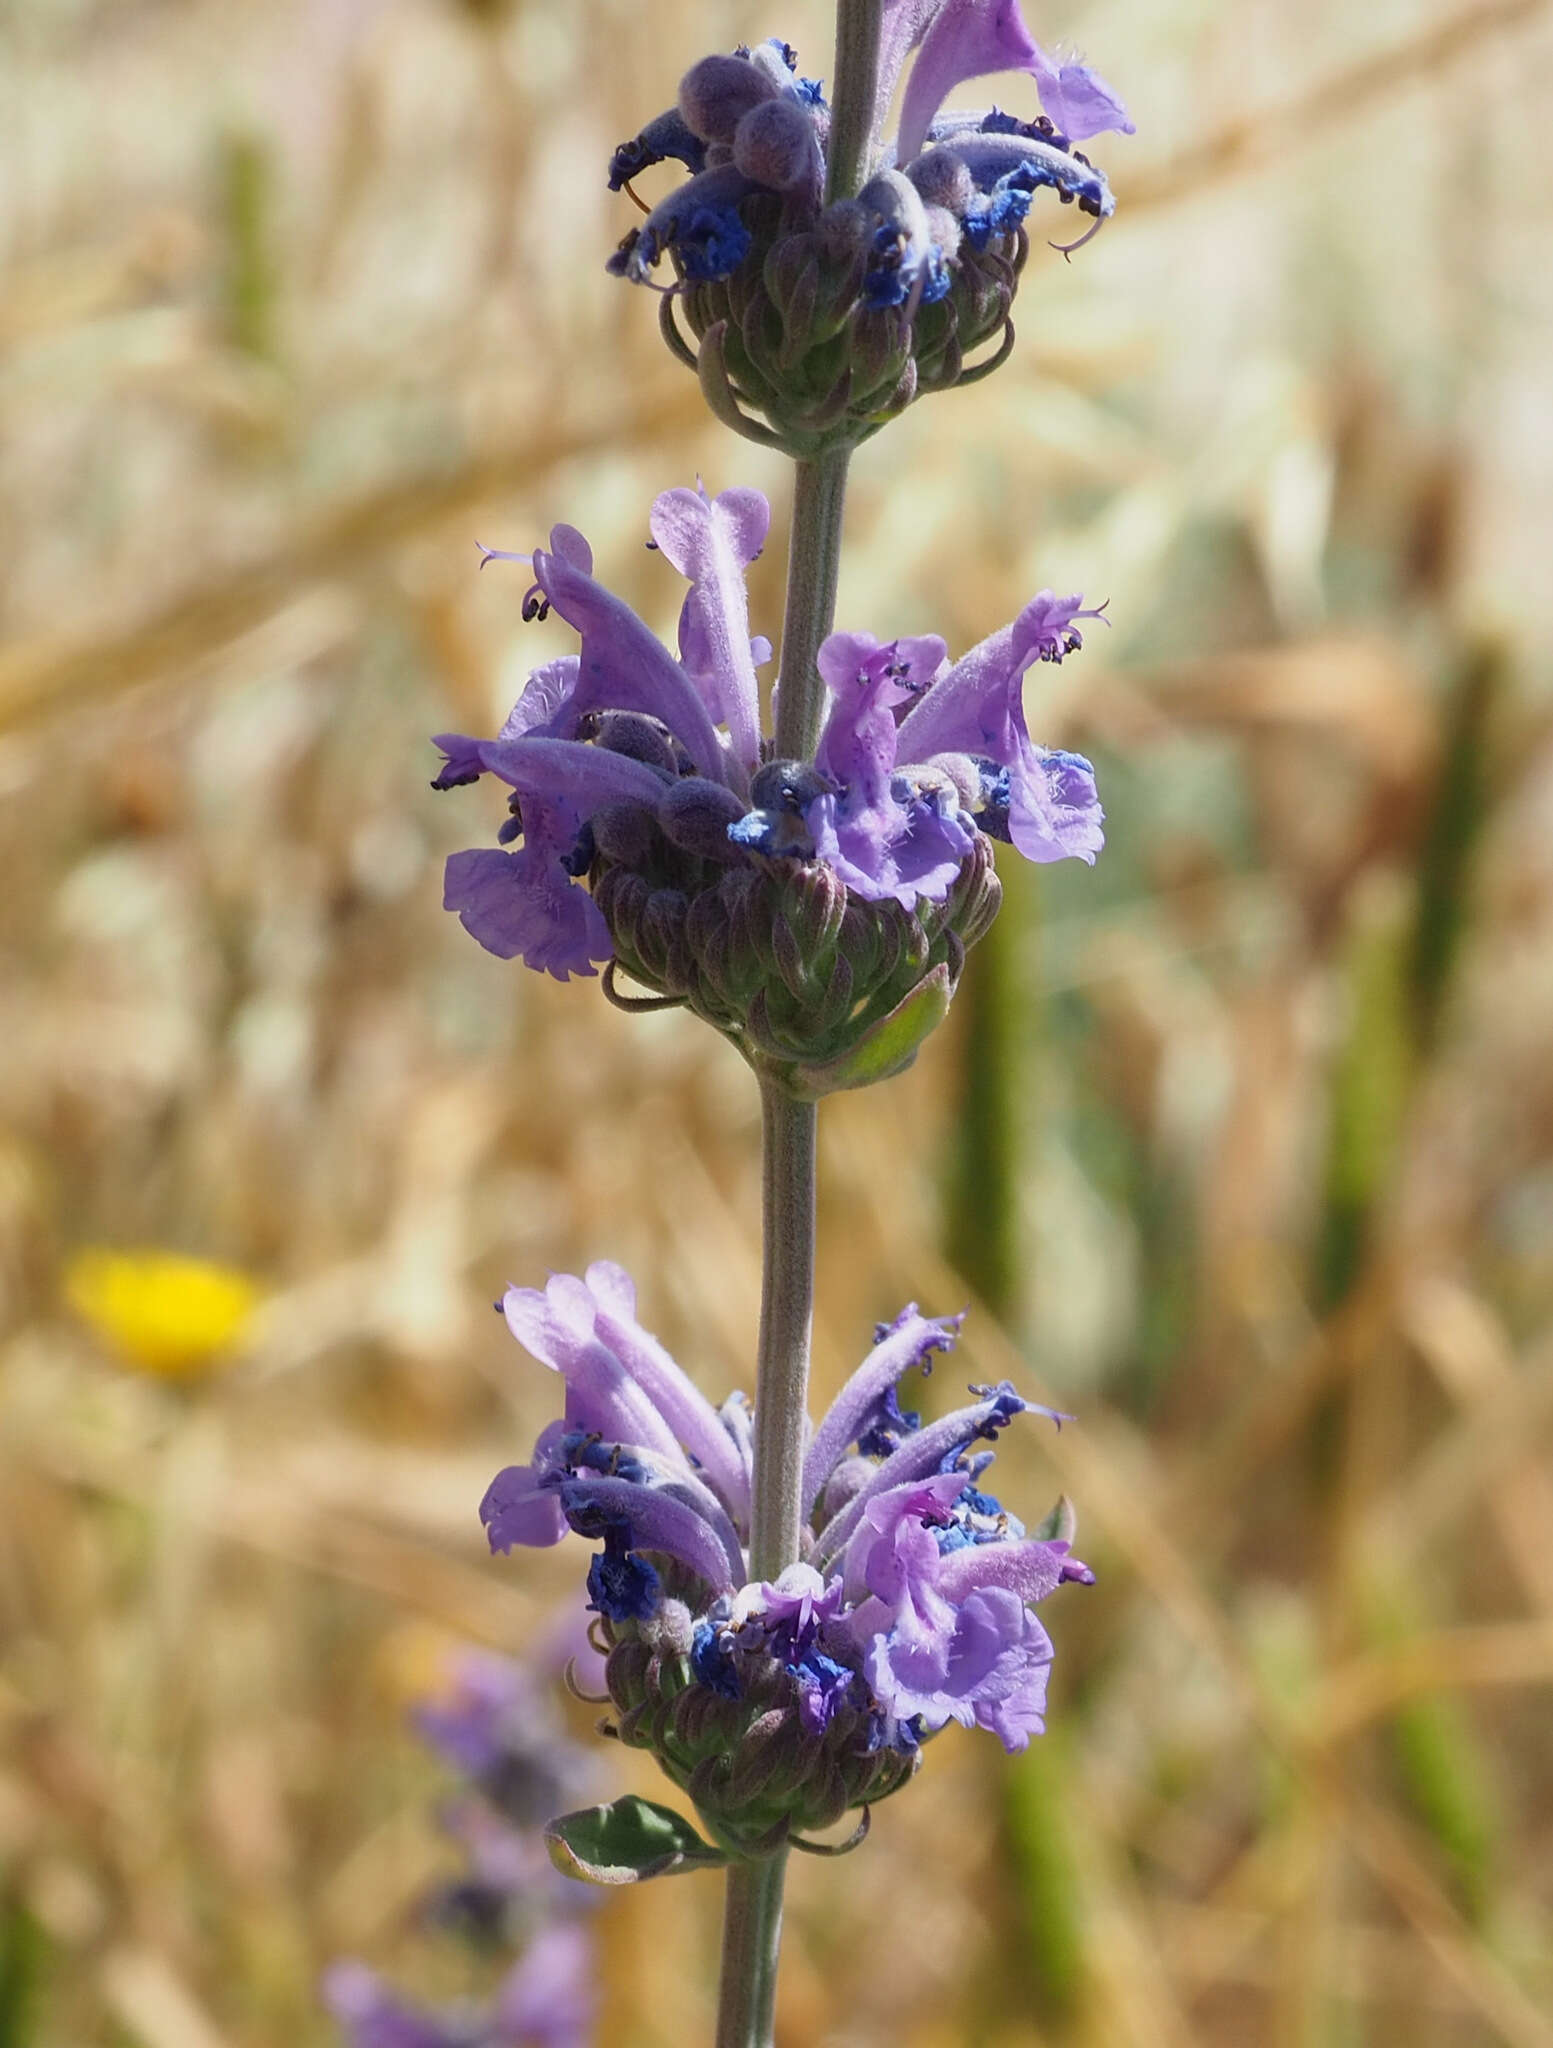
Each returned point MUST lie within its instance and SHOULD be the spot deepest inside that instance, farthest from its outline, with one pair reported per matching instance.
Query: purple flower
(495, 1725)
(882, 835)
(968, 39)
(373, 2016)
(623, 746)
(1077, 98)
(910, 1606)
(746, 124)
(546, 2001)
(1045, 802)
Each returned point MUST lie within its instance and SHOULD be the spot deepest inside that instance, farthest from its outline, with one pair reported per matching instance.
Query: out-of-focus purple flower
(547, 2000)
(373, 2016)
(910, 1606)
(494, 1724)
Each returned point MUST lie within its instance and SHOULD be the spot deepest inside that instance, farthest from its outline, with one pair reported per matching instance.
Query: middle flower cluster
(816, 912)
(778, 1706)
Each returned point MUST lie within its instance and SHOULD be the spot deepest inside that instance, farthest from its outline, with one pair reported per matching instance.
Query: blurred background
(1240, 1144)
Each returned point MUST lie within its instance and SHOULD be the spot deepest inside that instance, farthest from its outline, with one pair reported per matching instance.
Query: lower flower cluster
(779, 1706)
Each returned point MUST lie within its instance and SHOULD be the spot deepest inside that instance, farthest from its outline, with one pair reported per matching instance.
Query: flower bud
(695, 814)
(776, 146)
(716, 93)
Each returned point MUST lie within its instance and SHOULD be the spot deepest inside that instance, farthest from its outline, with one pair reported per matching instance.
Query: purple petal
(918, 1458)
(800, 1596)
(657, 1521)
(461, 762)
(525, 906)
(585, 777)
(892, 1551)
(558, 1328)
(905, 23)
(968, 39)
(519, 1506)
(1031, 161)
(1023, 1713)
(957, 1662)
(1055, 812)
(690, 1417)
(547, 1998)
(1077, 99)
(623, 666)
(712, 541)
(1028, 1567)
(905, 1344)
(880, 836)
(543, 706)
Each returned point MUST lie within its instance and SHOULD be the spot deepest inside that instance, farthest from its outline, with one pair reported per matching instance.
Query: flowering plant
(788, 1613)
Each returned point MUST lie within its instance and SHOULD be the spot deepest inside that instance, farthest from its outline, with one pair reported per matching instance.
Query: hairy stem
(814, 562)
(850, 148)
(786, 1307)
(752, 1922)
(752, 1937)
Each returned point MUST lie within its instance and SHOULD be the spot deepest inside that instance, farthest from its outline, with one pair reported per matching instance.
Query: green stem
(813, 566)
(849, 150)
(752, 1939)
(786, 1307)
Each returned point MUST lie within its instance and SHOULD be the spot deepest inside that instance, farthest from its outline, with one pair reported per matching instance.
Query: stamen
(636, 198)
(1065, 249)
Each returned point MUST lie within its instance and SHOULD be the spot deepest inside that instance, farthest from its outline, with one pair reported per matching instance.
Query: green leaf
(627, 1841)
(888, 1047)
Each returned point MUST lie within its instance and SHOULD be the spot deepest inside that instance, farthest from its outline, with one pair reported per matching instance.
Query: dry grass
(1245, 1140)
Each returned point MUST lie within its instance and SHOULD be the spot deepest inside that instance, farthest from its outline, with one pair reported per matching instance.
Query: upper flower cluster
(727, 879)
(818, 317)
(779, 1705)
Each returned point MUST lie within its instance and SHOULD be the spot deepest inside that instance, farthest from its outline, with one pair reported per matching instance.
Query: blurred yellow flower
(163, 1313)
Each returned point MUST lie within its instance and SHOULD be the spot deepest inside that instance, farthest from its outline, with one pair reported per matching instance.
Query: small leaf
(888, 1047)
(627, 1841)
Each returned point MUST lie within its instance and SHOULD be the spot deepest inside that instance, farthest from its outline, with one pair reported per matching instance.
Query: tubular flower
(778, 1706)
(813, 324)
(816, 912)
